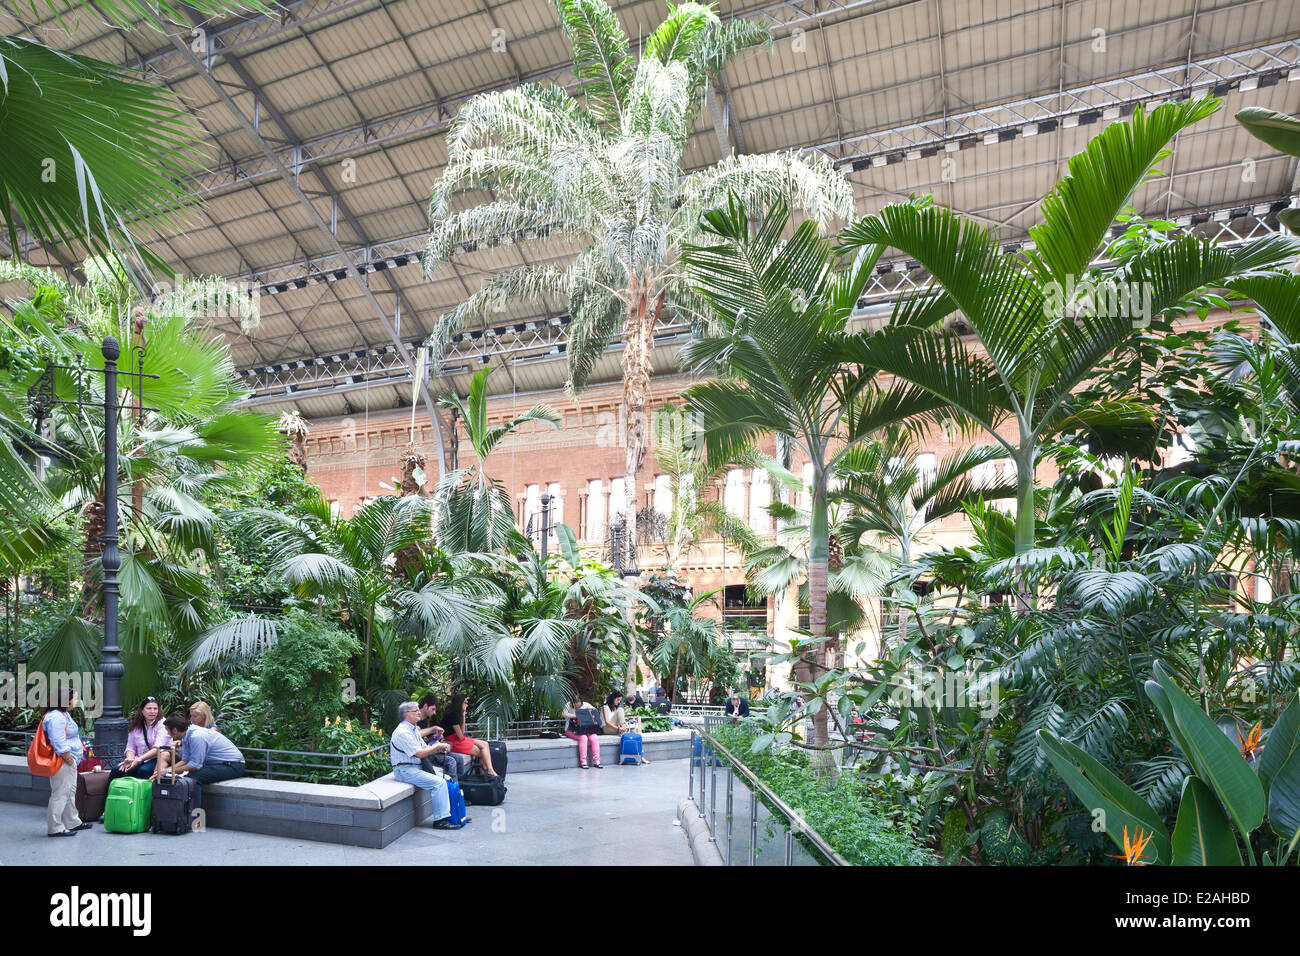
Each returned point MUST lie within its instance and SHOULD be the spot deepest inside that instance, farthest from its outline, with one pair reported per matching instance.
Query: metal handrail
(793, 821)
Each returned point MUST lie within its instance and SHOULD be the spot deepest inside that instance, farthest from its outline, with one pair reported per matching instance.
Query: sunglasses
(150, 700)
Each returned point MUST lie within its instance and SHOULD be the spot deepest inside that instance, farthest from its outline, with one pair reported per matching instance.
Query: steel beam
(291, 181)
(1076, 106)
(543, 338)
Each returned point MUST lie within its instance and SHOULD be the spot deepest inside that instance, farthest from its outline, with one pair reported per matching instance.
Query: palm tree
(355, 562)
(474, 510)
(693, 516)
(1038, 334)
(175, 432)
(893, 497)
(27, 510)
(690, 644)
(781, 311)
(602, 169)
(92, 146)
(856, 571)
(295, 428)
(88, 147)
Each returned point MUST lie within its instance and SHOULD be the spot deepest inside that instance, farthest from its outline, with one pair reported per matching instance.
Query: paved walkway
(560, 817)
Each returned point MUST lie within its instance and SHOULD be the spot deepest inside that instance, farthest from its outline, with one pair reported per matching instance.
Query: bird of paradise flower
(1250, 743)
(1133, 849)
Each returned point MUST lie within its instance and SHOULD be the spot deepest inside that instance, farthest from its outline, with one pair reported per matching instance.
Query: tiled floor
(582, 817)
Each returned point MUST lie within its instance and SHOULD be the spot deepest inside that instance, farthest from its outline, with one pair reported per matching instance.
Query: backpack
(41, 758)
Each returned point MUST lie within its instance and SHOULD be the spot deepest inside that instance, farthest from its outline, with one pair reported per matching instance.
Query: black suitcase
(500, 759)
(174, 802)
(497, 748)
(482, 790)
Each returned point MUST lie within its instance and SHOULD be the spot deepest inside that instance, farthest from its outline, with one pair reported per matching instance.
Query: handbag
(90, 762)
(586, 721)
(41, 758)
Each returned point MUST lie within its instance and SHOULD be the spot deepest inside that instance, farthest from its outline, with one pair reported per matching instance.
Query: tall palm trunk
(92, 552)
(1025, 523)
(818, 561)
(643, 313)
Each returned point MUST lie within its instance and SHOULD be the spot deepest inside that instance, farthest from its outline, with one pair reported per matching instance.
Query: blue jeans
(437, 787)
(216, 772)
(144, 770)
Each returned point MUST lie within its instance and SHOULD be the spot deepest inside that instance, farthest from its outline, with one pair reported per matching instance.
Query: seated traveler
(583, 730)
(147, 742)
(201, 715)
(453, 722)
(406, 748)
(432, 733)
(205, 754)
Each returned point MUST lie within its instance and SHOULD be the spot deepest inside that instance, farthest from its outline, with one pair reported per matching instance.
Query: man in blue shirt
(405, 749)
(207, 755)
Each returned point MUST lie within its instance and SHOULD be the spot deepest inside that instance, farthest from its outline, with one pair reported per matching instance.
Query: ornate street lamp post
(111, 725)
(546, 523)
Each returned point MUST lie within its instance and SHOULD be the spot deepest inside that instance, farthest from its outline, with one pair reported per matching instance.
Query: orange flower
(1250, 743)
(1134, 849)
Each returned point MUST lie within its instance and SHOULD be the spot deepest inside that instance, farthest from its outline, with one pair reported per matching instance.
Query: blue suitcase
(458, 814)
(629, 748)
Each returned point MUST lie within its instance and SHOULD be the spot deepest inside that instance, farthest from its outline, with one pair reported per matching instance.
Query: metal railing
(697, 711)
(493, 729)
(292, 765)
(782, 827)
(530, 729)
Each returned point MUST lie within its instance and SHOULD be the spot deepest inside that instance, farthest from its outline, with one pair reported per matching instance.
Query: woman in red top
(453, 723)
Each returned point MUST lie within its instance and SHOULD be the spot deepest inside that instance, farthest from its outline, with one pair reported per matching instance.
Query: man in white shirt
(405, 749)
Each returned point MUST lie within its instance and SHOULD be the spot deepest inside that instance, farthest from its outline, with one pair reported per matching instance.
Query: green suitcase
(126, 810)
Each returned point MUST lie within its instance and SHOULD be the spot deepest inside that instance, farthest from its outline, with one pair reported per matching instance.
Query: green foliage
(652, 722)
(304, 677)
(246, 562)
(352, 738)
(844, 812)
(1224, 799)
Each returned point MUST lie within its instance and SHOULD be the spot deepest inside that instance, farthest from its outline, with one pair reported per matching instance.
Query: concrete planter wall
(372, 815)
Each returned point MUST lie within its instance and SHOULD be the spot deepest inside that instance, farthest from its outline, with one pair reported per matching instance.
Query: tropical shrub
(844, 813)
(1233, 786)
(305, 678)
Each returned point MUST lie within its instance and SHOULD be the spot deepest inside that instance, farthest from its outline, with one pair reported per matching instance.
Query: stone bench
(372, 815)
(562, 753)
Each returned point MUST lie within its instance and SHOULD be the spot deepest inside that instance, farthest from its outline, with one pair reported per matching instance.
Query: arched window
(760, 496)
(595, 530)
(734, 493)
(663, 501)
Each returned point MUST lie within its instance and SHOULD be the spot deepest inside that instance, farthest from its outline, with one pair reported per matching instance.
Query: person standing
(62, 734)
(406, 748)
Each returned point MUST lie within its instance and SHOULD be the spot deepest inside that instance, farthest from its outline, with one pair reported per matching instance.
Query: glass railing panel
(770, 844)
(742, 800)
